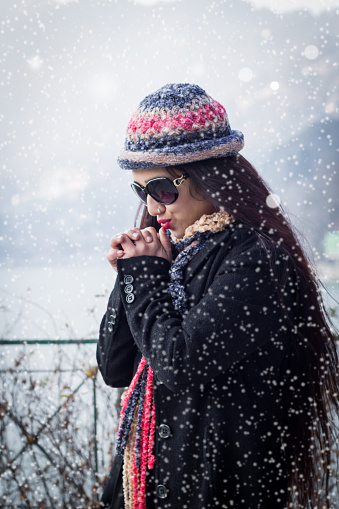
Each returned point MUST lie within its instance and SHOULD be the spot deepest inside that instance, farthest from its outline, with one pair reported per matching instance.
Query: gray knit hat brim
(181, 154)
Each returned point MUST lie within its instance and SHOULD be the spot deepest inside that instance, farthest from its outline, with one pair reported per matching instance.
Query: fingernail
(120, 253)
(148, 239)
(120, 237)
(135, 235)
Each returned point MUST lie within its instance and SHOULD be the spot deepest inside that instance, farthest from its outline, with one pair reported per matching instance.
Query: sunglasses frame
(176, 182)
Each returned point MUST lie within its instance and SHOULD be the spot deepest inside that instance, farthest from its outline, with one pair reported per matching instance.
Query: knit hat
(179, 123)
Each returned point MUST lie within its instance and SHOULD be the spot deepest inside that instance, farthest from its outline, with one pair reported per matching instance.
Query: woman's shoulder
(237, 238)
(242, 242)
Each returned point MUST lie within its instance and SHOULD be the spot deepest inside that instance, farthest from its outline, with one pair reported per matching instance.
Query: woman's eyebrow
(156, 177)
(146, 181)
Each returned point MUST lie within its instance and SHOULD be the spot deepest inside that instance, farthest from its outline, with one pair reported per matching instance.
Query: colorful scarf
(135, 438)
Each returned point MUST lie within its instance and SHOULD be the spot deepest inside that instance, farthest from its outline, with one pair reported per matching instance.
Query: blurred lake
(54, 302)
(68, 302)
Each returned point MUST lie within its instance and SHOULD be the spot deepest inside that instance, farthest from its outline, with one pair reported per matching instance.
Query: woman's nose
(154, 208)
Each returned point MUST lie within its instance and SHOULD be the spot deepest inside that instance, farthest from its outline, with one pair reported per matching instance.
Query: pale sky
(315, 6)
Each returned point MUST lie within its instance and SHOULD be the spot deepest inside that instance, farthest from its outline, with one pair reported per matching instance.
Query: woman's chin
(175, 233)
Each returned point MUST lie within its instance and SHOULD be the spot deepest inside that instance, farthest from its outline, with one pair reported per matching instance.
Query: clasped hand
(136, 242)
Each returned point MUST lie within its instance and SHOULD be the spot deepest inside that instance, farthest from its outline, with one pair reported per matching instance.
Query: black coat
(217, 370)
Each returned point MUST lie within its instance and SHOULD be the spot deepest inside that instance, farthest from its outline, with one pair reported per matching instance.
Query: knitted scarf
(135, 438)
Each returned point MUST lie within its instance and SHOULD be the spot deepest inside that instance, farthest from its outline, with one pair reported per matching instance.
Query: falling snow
(71, 74)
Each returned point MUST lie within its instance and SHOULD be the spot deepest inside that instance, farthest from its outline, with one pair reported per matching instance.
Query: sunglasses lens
(139, 192)
(163, 191)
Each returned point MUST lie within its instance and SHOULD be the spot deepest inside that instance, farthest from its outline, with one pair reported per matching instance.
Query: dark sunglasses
(161, 189)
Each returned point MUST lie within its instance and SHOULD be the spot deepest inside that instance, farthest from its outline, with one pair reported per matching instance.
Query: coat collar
(213, 244)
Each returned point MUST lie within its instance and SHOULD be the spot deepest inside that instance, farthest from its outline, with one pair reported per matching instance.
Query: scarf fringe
(137, 426)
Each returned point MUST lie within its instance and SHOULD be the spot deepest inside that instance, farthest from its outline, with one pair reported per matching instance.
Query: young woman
(216, 324)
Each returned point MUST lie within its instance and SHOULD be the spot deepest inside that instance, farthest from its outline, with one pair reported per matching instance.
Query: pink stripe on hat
(206, 113)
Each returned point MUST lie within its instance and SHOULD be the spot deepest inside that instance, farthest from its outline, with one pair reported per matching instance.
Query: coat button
(128, 288)
(162, 491)
(164, 431)
(109, 326)
(129, 298)
(128, 279)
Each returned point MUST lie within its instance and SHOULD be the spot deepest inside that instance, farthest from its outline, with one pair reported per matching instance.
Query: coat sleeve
(117, 353)
(238, 314)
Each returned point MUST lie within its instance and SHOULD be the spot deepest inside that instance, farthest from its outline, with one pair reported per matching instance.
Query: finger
(149, 234)
(124, 242)
(165, 242)
(111, 255)
(133, 233)
(116, 241)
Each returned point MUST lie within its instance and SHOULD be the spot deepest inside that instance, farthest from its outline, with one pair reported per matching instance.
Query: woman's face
(184, 211)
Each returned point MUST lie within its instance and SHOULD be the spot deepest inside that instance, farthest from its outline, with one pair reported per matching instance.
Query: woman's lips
(165, 223)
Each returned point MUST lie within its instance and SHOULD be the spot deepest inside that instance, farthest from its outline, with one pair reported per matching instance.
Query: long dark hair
(311, 366)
